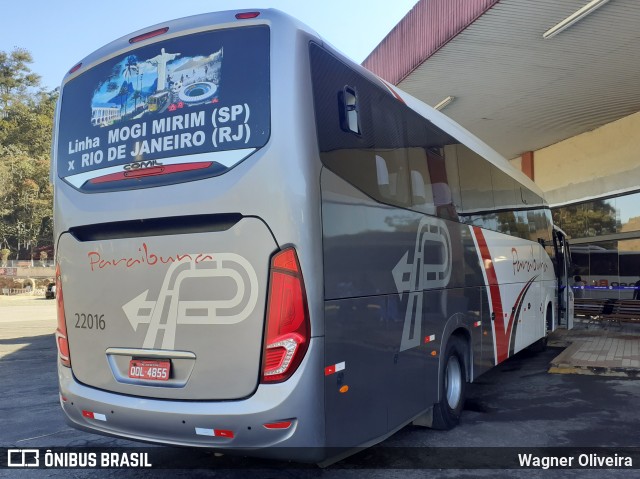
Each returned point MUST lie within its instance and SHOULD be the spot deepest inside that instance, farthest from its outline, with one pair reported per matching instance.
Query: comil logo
(139, 165)
(23, 458)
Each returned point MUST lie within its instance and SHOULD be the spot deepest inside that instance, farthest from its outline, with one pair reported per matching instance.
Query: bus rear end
(183, 313)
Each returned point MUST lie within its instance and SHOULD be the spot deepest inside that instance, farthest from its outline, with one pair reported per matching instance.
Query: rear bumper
(222, 424)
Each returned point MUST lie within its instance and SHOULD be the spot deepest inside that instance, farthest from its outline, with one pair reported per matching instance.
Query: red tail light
(288, 328)
(75, 68)
(145, 36)
(61, 332)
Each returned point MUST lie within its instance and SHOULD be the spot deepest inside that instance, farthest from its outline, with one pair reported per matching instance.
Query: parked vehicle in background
(50, 292)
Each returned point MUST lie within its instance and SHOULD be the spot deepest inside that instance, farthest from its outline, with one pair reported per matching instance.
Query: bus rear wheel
(540, 345)
(453, 380)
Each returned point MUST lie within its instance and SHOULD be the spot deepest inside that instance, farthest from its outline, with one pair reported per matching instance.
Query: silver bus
(291, 257)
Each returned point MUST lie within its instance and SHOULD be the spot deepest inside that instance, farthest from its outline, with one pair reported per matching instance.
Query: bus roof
(185, 25)
(202, 22)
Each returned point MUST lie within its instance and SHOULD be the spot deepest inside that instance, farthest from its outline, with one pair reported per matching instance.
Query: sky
(61, 33)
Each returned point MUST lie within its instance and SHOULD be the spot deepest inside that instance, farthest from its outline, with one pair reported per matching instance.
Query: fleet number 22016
(90, 321)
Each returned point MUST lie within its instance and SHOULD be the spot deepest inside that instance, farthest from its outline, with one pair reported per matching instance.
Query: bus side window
(421, 188)
(382, 175)
(506, 196)
(475, 186)
(425, 145)
(388, 140)
(449, 153)
(421, 193)
(443, 198)
(506, 193)
(391, 173)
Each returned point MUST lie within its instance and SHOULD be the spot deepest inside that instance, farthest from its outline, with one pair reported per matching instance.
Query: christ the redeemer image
(161, 61)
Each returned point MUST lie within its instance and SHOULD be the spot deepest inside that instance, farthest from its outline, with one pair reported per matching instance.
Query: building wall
(597, 163)
(593, 179)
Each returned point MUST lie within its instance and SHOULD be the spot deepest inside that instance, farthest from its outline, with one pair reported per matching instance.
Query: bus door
(563, 271)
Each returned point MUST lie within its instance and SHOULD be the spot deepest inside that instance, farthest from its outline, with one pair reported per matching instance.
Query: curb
(563, 364)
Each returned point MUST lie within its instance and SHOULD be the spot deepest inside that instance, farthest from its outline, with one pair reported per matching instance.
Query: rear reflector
(61, 332)
(94, 415)
(203, 431)
(288, 328)
(147, 35)
(335, 368)
(278, 425)
(247, 15)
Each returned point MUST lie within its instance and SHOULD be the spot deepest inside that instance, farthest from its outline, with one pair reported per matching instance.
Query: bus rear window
(185, 108)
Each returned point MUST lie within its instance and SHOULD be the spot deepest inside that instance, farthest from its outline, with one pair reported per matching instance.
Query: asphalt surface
(515, 406)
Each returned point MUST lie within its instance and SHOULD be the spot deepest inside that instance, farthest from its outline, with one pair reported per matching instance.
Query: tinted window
(506, 191)
(475, 181)
(398, 157)
(599, 217)
(192, 94)
(393, 157)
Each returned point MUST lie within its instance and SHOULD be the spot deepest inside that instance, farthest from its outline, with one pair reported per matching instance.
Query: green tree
(16, 76)
(26, 197)
(590, 219)
(26, 123)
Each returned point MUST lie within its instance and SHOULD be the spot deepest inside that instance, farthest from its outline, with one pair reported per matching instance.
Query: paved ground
(600, 348)
(517, 404)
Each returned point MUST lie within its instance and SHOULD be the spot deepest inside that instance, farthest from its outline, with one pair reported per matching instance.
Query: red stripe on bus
(502, 335)
(108, 178)
(393, 92)
(515, 313)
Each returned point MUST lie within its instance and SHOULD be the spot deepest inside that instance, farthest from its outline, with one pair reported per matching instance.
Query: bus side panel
(515, 274)
(385, 318)
(403, 268)
(397, 284)
(357, 358)
(487, 357)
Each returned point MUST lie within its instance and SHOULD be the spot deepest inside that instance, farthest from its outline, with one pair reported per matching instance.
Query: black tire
(540, 345)
(549, 318)
(453, 380)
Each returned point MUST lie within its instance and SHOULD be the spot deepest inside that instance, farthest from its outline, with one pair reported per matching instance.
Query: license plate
(155, 370)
